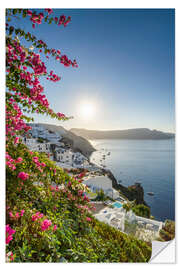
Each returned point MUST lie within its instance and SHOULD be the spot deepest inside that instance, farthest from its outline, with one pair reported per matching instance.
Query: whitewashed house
(36, 130)
(113, 217)
(53, 137)
(39, 131)
(33, 145)
(44, 147)
(64, 155)
(102, 182)
(118, 221)
(80, 159)
(151, 224)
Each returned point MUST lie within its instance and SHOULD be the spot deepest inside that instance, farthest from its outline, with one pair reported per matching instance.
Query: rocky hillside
(77, 143)
(134, 192)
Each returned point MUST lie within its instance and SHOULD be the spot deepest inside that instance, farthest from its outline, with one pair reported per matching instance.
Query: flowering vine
(31, 197)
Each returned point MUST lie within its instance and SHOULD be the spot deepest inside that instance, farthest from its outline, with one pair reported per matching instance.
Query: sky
(125, 77)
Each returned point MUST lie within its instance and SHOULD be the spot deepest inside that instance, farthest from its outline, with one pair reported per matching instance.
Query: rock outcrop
(134, 192)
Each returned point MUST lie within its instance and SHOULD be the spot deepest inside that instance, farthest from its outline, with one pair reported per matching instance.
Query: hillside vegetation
(71, 233)
(167, 233)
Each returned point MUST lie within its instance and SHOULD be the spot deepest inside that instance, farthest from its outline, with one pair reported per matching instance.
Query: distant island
(128, 134)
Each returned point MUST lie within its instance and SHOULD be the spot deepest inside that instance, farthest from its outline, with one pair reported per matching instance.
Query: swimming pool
(117, 205)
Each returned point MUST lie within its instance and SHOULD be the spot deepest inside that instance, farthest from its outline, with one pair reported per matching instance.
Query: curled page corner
(163, 252)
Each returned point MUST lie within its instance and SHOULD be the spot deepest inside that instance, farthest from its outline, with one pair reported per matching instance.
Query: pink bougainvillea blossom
(55, 228)
(36, 216)
(9, 233)
(17, 215)
(19, 160)
(49, 10)
(61, 115)
(45, 224)
(22, 212)
(16, 140)
(23, 175)
(11, 214)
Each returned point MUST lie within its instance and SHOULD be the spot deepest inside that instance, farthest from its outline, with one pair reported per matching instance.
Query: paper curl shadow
(157, 248)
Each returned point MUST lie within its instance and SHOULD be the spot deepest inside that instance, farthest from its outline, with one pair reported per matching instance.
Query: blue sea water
(151, 162)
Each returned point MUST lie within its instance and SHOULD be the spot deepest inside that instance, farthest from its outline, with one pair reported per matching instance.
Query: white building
(53, 137)
(79, 157)
(64, 155)
(113, 217)
(76, 159)
(80, 160)
(39, 131)
(43, 147)
(150, 224)
(101, 182)
(146, 229)
(33, 145)
(36, 130)
(130, 216)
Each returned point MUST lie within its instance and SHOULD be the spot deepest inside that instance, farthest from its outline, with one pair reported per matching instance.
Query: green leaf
(14, 11)
(24, 13)
(50, 20)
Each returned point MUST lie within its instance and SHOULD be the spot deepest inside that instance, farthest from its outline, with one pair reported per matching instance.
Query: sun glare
(87, 110)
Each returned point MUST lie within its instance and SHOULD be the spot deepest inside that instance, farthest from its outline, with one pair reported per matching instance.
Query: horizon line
(105, 129)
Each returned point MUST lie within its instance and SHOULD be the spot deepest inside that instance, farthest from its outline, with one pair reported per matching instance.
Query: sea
(150, 162)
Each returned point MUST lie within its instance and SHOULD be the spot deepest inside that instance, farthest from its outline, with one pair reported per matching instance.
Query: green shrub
(40, 140)
(130, 228)
(167, 233)
(101, 196)
(141, 210)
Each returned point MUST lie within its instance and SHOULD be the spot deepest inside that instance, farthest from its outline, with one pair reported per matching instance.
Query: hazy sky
(125, 77)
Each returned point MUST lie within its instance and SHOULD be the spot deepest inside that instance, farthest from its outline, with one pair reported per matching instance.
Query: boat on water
(150, 193)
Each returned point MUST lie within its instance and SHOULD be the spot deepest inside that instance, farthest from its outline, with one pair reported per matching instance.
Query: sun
(87, 110)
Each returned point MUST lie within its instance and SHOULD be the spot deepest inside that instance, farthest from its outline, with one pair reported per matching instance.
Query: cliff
(134, 192)
(77, 143)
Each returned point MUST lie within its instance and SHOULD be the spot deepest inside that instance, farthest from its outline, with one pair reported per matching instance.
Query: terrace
(142, 228)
